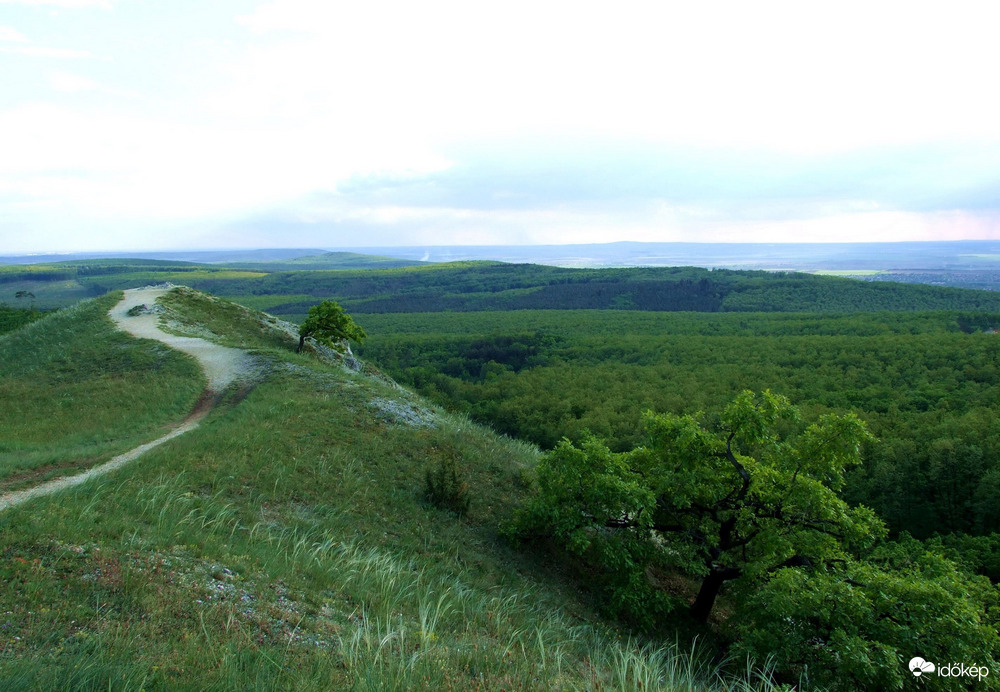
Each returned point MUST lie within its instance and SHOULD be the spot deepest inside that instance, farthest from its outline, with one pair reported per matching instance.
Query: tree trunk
(710, 587)
(302, 340)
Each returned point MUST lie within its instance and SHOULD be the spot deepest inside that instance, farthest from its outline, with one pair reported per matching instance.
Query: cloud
(43, 52)
(769, 74)
(649, 121)
(11, 35)
(747, 184)
(69, 4)
(70, 83)
(21, 47)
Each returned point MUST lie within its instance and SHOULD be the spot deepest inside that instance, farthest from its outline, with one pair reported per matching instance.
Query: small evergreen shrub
(445, 489)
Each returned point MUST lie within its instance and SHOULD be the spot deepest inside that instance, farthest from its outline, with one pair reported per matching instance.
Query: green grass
(194, 313)
(265, 303)
(75, 391)
(286, 544)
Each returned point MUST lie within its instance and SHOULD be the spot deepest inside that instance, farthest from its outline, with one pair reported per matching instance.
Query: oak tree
(329, 323)
(740, 501)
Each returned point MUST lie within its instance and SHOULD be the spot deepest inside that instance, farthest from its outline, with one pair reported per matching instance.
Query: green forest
(926, 387)
(584, 384)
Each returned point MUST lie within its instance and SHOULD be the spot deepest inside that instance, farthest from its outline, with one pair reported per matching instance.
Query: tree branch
(744, 474)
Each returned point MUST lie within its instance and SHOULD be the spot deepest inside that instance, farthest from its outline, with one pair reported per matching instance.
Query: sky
(195, 124)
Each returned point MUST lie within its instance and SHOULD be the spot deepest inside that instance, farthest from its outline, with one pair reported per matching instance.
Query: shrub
(445, 489)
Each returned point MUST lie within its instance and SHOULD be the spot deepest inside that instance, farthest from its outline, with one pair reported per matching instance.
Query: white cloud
(12, 35)
(779, 74)
(70, 83)
(313, 93)
(72, 4)
(43, 52)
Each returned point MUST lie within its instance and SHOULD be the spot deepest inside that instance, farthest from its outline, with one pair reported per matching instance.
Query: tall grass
(224, 321)
(75, 391)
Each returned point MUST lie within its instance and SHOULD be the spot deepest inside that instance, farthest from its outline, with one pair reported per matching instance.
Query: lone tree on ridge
(329, 323)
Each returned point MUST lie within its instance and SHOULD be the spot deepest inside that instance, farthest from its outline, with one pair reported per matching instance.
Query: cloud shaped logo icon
(919, 666)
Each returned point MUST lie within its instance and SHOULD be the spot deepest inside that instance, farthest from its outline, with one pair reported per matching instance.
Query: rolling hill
(287, 542)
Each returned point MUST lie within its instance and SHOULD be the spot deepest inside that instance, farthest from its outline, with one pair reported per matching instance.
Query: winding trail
(222, 366)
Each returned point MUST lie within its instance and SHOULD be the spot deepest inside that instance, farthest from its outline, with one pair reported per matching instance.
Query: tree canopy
(328, 323)
(751, 499)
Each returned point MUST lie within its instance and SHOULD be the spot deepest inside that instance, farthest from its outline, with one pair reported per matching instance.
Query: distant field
(848, 272)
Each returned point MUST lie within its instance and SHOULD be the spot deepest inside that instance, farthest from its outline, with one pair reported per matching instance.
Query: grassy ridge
(286, 544)
(75, 391)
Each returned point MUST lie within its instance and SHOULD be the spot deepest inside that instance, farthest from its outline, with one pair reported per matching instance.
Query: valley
(293, 539)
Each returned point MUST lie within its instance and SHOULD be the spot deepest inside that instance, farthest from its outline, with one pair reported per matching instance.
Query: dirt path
(222, 365)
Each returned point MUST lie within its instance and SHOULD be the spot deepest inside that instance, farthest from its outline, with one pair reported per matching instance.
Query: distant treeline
(45, 276)
(487, 286)
(495, 286)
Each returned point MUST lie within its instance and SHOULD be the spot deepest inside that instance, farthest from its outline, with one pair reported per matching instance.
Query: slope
(75, 391)
(222, 367)
(286, 544)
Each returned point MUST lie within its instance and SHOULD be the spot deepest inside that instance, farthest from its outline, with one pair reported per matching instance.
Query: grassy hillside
(75, 391)
(287, 543)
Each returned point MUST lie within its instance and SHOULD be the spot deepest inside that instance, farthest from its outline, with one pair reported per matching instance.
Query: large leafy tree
(329, 323)
(855, 625)
(737, 502)
(752, 499)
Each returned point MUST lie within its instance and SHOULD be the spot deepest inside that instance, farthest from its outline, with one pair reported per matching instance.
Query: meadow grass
(195, 313)
(266, 302)
(286, 545)
(75, 391)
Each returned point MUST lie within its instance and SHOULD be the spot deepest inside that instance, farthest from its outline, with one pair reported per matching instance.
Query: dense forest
(474, 286)
(913, 505)
(926, 383)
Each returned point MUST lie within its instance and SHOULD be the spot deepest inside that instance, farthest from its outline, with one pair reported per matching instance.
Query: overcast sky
(167, 124)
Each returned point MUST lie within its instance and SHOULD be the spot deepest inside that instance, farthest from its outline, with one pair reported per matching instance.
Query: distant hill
(328, 260)
(901, 256)
(198, 256)
(476, 286)
(371, 284)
